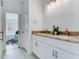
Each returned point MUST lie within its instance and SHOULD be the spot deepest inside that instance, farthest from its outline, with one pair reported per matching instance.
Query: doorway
(12, 30)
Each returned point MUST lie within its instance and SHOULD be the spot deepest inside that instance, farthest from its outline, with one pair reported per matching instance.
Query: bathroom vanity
(47, 46)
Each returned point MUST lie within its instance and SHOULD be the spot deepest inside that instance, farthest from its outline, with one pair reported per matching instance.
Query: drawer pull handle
(53, 53)
(36, 44)
(56, 54)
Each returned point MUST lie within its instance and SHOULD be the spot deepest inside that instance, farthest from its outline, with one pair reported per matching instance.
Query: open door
(3, 22)
(1, 38)
(12, 30)
(2, 27)
(24, 31)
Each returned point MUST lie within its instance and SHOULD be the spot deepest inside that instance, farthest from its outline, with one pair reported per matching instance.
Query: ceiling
(21, 0)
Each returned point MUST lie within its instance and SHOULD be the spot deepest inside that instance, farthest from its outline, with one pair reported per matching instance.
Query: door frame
(3, 20)
(3, 24)
(4, 30)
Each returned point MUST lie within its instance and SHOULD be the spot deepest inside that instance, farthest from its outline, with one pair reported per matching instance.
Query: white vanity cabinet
(49, 48)
(50, 53)
(38, 47)
(54, 53)
(64, 55)
(35, 47)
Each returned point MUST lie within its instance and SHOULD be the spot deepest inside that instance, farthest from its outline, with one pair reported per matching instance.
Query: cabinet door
(42, 50)
(35, 47)
(38, 47)
(49, 52)
(59, 54)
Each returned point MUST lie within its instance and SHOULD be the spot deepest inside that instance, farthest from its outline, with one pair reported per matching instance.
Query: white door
(0, 18)
(0, 31)
(26, 33)
(3, 22)
(24, 27)
(2, 27)
(1, 42)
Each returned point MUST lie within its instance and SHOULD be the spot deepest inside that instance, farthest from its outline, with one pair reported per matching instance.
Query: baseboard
(24, 49)
(35, 55)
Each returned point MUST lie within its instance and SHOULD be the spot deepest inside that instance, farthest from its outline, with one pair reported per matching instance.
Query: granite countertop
(73, 39)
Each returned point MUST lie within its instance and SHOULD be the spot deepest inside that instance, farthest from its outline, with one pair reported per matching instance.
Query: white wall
(35, 14)
(64, 14)
(35, 18)
(13, 6)
(25, 6)
(0, 19)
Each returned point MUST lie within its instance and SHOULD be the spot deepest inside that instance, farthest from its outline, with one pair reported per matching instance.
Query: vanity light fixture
(50, 1)
(53, 0)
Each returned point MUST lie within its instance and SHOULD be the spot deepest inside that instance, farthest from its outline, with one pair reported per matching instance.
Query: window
(11, 22)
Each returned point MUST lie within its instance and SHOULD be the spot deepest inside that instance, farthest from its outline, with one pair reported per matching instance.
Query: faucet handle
(66, 31)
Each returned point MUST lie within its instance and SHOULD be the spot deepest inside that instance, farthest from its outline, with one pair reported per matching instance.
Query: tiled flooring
(11, 46)
(17, 53)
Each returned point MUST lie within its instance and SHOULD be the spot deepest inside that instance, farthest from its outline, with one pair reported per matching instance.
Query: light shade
(49, 1)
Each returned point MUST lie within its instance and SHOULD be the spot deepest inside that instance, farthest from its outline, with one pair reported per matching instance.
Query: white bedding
(10, 36)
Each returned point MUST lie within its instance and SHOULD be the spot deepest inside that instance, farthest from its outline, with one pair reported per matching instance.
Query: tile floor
(11, 46)
(17, 53)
